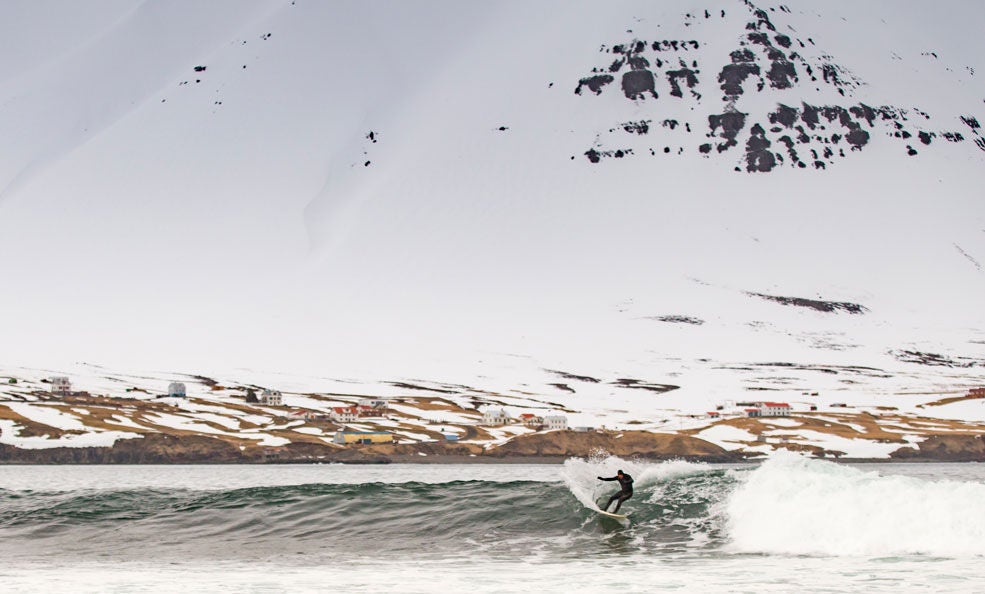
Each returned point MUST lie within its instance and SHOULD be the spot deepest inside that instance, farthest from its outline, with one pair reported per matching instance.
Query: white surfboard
(611, 515)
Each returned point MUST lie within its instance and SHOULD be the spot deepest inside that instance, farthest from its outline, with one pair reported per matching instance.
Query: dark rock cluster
(815, 304)
(795, 133)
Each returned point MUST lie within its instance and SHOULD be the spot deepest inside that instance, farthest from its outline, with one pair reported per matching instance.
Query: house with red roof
(775, 409)
(769, 409)
(345, 414)
(302, 414)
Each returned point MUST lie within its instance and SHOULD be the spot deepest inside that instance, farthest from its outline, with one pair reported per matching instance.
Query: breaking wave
(788, 506)
(792, 505)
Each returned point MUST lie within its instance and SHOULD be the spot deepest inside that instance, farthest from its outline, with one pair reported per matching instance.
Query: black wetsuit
(626, 482)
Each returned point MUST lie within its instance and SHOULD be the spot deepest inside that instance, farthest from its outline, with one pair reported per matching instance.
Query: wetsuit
(626, 482)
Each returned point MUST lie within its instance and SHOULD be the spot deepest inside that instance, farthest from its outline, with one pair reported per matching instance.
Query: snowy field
(216, 406)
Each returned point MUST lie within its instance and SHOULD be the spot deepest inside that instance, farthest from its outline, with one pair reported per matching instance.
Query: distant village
(366, 409)
(270, 427)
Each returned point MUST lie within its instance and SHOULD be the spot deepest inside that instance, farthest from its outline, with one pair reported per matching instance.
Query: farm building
(363, 437)
(271, 398)
(775, 409)
(176, 390)
(495, 416)
(768, 409)
(302, 414)
(61, 385)
(374, 403)
(345, 414)
(553, 422)
(531, 420)
(365, 410)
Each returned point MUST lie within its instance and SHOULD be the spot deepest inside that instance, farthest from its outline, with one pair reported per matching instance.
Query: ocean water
(786, 525)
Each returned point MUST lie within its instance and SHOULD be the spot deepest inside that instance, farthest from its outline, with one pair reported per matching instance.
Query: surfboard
(611, 515)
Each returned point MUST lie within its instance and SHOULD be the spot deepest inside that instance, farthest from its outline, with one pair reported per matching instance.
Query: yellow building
(349, 437)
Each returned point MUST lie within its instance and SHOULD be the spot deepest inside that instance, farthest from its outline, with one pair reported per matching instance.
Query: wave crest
(792, 505)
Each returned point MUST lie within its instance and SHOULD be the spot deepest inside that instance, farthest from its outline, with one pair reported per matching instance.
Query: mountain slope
(403, 192)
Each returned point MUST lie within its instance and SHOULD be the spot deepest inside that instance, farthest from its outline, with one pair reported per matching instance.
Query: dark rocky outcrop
(643, 444)
(152, 448)
(815, 304)
(763, 61)
(945, 448)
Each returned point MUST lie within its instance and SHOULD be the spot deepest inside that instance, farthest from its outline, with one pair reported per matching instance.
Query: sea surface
(786, 525)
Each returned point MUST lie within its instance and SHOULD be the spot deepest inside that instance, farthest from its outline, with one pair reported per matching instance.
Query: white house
(271, 398)
(495, 416)
(345, 414)
(61, 385)
(769, 409)
(176, 390)
(376, 403)
(552, 422)
(775, 409)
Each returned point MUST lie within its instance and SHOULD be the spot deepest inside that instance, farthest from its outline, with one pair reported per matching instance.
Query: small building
(362, 437)
(61, 385)
(274, 453)
(775, 409)
(584, 429)
(271, 398)
(495, 416)
(302, 414)
(531, 420)
(555, 422)
(713, 414)
(767, 409)
(374, 403)
(451, 437)
(176, 390)
(345, 414)
(365, 410)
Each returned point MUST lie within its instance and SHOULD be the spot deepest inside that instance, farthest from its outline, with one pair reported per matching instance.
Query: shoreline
(440, 459)
(550, 448)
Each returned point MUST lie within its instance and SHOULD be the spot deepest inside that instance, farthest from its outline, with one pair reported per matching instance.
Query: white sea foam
(792, 505)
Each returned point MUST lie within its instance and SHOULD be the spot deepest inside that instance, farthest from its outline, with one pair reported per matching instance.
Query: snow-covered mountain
(565, 199)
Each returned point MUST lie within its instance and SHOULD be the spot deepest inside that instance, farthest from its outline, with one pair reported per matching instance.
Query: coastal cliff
(155, 448)
(181, 449)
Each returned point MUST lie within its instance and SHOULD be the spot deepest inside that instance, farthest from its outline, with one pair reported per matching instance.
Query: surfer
(626, 482)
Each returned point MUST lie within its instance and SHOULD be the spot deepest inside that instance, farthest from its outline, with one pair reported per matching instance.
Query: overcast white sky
(155, 216)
